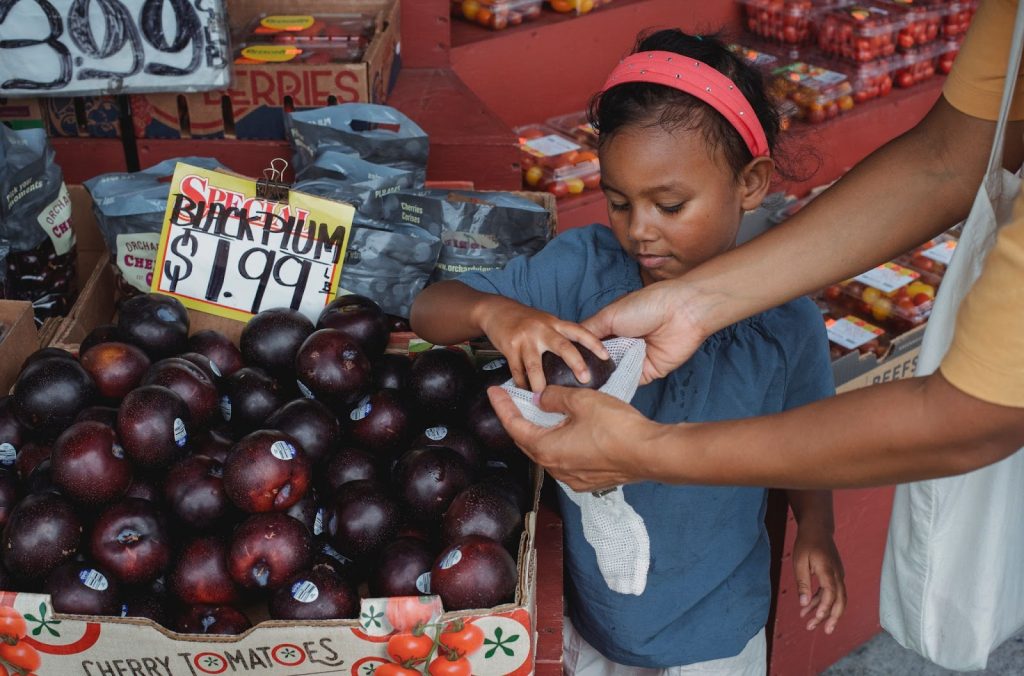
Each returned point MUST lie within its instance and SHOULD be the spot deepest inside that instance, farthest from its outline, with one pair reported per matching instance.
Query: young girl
(686, 135)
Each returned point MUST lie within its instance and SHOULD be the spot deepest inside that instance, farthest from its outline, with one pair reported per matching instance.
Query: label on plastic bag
(888, 277)
(850, 332)
(55, 219)
(136, 254)
(287, 22)
(550, 146)
(942, 252)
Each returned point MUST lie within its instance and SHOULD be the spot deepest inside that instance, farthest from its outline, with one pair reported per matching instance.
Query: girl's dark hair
(644, 104)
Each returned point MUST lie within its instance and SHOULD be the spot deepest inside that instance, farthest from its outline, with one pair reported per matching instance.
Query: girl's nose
(640, 229)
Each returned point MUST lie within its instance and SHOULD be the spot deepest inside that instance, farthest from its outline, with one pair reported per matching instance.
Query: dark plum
(266, 471)
(88, 464)
(271, 339)
(191, 383)
(153, 425)
(509, 484)
(311, 424)
(428, 479)
(12, 434)
(398, 324)
(441, 382)
(83, 589)
(212, 444)
(401, 569)
(101, 414)
(194, 490)
(249, 397)
(202, 361)
(49, 394)
(481, 510)
(315, 594)
(211, 620)
(10, 493)
(305, 510)
(359, 318)
(200, 573)
(347, 464)
(130, 540)
(46, 353)
(42, 532)
(381, 422)
(484, 424)
(267, 550)
(455, 438)
(495, 372)
(475, 573)
(557, 372)
(156, 323)
(144, 489)
(116, 368)
(219, 349)
(104, 333)
(147, 604)
(332, 367)
(362, 519)
(391, 371)
(30, 457)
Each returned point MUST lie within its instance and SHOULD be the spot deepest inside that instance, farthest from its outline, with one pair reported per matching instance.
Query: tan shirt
(986, 359)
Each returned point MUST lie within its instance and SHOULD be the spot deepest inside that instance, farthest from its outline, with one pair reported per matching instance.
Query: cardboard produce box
(260, 94)
(856, 370)
(18, 339)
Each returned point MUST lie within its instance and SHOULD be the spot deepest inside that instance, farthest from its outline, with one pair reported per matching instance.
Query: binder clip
(272, 186)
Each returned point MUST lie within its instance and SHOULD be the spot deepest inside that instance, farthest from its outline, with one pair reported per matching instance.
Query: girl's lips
(651, 262)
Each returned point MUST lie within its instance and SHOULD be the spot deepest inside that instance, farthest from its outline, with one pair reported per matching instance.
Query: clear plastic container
(919, 64)
(784, 21)
(300, 54)
(576, 7)
(869, 80)
(921, 20)
(958, 18)
(497, 14)
(788, 111)
(287, 28)
(849, 333)
(819, 93)
(858, 33)
(759, 58)
(556, 163)
(890, 295)
(931, 258)
(577, 127)
(946, 59)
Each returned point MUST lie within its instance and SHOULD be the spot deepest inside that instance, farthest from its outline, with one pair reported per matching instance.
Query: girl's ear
(755, 181)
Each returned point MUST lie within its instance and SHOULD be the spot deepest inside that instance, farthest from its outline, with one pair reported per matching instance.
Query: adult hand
(666, 315)
(585, 449)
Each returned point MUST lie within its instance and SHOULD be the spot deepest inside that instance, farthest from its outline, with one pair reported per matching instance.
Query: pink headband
(700, 80)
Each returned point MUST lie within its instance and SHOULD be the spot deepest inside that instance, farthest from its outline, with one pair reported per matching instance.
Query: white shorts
(582, 659)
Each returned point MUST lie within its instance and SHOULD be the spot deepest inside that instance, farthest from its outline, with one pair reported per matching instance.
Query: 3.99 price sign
(51, 47)
(225, 251)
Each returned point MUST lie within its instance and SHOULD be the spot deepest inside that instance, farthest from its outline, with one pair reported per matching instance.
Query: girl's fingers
(534, 372)
(587, 340)
(812, 603)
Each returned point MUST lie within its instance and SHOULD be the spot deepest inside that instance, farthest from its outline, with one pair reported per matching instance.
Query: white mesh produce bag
(611, 526)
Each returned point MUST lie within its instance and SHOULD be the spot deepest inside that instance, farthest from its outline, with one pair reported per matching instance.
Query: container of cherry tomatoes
(849, 333)
(870, 80)
(577, 127)
(891, 295)
(858, 33)
(788, 111)
(762, 59)
(576, 7)
(931, 258)
(556, 163)
(918, 65)
(820, 94)
(921, 20)
(958, 18)
(300, 53)
(287, 28)
(785, 21)
(945, 62)
(497, 14)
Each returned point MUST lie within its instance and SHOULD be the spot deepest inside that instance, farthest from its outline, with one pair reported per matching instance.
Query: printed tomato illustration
(405, 612)
(462, 637)
(21, 656)
(443, 666)
(12, 625)
(409, 648)
(392, 669)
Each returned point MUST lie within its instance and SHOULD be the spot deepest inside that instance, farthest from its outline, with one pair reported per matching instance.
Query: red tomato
(443, 666)
(405, 612)
(12, 624)
(408, 648)
(465, 640)
(21, 656)
(921, 298)
(392, 669)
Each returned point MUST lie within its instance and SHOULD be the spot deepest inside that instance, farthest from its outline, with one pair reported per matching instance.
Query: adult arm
(907, 430)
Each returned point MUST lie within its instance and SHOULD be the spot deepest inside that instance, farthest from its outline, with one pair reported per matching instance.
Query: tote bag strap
(995, 158)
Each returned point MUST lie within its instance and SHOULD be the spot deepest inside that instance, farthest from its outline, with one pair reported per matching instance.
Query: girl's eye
(671, 208)
(619, 206)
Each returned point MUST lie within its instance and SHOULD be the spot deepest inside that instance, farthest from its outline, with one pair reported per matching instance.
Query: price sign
(226, 251)
(67, 47)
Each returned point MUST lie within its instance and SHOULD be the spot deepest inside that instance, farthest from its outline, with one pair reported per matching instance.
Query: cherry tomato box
(576, 7)
(891, 295)
(852, 334)
(330, 51)
(577, 126)
(784, 21)
(820, 93)
(556, 163)
(497, 14)
(921, 63)
(859, 32)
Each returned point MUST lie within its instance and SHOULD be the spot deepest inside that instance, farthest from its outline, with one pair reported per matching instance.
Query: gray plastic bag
(376, 133)
(130, 210)
(479, 231)
(341, 176)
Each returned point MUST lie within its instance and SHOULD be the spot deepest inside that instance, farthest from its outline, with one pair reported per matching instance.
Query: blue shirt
(708, 587)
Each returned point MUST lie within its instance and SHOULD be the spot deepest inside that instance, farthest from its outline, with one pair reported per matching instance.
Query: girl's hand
(523, 334)
(815, 555)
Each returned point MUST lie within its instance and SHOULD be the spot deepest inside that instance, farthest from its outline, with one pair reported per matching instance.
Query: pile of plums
(194, 482)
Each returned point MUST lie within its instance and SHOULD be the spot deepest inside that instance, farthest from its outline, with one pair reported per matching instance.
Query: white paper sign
(68, 47)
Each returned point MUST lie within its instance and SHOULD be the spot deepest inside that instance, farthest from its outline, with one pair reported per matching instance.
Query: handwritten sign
(64, 47)
(225, 251)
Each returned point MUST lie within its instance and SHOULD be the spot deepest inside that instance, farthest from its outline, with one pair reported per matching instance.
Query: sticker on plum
(888, 277)
(306, 392)
(305, 591)
(436, 433)
(93, 579)
(8, 454)
(450, 559)
(318, 522)
(55, 219)
(225, 408)
(216, 369)
(942, 252)
(361, 410)
(551, 145)
(851, 332)
(180, 433)
(117, 450)
(282, 450)
(423, 583)
(494, 365)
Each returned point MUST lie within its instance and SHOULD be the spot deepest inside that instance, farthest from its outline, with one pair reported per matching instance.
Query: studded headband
(698, 79)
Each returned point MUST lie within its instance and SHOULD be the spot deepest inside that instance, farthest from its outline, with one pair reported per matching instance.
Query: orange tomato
(470, 9)
(533, 176)
(563, 5)
(464, 640)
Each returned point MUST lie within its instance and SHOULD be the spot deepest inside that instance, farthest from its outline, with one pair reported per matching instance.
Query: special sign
(66, 47)
(226, 251)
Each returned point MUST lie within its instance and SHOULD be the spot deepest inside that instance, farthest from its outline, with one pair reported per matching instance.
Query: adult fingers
(522, 431)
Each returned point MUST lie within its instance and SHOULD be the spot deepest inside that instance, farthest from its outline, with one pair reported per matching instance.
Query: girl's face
(672, 203)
